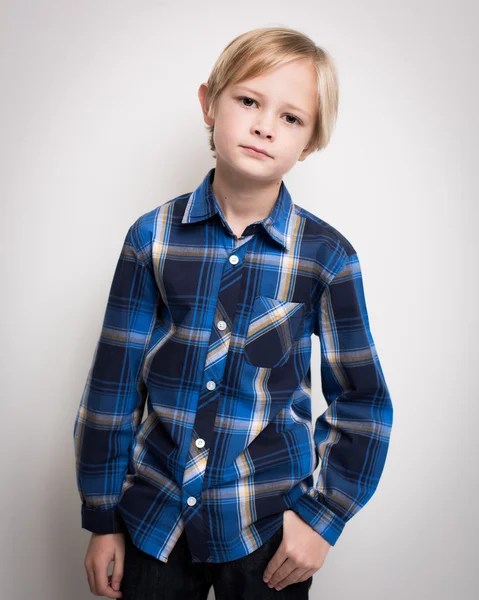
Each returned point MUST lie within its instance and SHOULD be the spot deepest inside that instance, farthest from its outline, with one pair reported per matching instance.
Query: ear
(202, 97)
(306, 152)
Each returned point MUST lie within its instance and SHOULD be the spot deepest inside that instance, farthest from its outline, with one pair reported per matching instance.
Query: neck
(243, 199)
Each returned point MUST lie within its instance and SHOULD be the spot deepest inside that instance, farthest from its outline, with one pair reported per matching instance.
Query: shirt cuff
(101, 521)
(324, 521)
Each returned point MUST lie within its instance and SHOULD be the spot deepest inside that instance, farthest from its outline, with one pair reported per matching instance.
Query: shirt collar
(202, 205)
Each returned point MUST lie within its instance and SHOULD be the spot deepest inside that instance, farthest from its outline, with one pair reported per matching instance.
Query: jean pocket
(273, 327)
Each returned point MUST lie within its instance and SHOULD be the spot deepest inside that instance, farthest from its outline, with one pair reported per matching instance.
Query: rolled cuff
(101, 521)
(324, 521)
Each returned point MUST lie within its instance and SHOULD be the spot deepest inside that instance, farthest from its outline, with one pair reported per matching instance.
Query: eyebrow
(255, 93)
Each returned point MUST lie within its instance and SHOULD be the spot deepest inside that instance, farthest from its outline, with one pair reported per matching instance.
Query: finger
(91, 579)
(286, 568)
(308, 574)
(293, 577)
(275, 563)
(95, 585)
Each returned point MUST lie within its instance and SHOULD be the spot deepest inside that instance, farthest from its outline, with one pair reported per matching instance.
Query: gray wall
(100, 122)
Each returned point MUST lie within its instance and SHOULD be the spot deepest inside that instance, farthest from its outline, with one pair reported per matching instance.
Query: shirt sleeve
(114, 395)
(352, 435)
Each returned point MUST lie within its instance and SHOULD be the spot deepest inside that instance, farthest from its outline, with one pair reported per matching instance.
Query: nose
(264, 128)
(267, 135)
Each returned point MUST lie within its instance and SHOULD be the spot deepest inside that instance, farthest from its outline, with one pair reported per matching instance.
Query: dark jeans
(147, 578)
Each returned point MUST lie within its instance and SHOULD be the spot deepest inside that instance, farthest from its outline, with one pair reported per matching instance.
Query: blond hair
(257, 51)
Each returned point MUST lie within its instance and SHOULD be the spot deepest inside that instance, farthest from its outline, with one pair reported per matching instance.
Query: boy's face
(256, 113)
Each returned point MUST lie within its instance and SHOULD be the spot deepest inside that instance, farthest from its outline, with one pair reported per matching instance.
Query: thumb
(117, 574)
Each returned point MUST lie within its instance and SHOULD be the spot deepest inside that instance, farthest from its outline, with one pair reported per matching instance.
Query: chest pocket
(273, 327)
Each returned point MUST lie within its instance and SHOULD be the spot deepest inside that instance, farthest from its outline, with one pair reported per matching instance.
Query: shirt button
(200, 443)
(221, 325)
(234, 259)
(211, 385)
(191, 501)
(311, 492)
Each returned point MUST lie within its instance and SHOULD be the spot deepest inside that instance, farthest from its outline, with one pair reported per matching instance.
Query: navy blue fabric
(146, 578)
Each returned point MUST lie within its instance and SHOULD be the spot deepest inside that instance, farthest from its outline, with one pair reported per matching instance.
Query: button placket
(216, 360)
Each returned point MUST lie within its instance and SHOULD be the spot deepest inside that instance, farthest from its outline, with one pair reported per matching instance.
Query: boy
(209, 320)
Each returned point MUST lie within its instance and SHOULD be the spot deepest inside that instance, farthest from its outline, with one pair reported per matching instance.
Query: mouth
(256, 151)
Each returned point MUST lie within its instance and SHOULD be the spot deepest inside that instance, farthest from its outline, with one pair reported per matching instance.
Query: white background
(100, 122)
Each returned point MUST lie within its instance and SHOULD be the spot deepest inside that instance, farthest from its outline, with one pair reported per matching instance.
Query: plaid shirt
(213, 332)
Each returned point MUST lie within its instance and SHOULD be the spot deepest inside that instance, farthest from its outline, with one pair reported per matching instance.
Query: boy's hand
(104, 548)
(301, 553)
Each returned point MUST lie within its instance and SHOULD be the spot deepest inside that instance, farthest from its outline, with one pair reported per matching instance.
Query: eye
(295, 122)
(295, 118)
(241, 98)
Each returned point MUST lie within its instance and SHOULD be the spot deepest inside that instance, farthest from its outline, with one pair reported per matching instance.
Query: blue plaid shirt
(213, 332)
